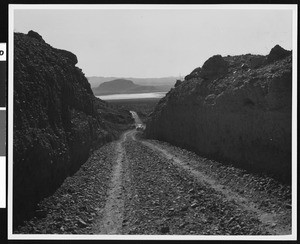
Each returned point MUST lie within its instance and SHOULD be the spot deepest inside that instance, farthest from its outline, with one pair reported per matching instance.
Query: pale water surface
(133, 96)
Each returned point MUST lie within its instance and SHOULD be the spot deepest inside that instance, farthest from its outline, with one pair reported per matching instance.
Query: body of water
(133, 96)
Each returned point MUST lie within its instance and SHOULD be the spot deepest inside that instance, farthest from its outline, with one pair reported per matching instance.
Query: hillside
(57, 121)
(165, 83)
(236, 109)
(122, 86)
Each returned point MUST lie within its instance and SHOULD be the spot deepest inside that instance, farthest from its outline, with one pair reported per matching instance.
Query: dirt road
(139, 186)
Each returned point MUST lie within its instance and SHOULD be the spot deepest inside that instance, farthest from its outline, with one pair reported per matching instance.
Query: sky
(156, 42)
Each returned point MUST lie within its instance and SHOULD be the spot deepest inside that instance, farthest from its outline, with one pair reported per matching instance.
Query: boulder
(214, 67)
(178, 82)
(194, 74)
(277, 53)
(72, 57)
(35, 35)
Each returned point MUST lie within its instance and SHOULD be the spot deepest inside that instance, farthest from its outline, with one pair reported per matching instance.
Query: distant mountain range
(165, 83)
(123, 86)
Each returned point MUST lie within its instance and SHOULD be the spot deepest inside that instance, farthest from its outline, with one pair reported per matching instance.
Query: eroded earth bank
(236, 109)
(57, 121)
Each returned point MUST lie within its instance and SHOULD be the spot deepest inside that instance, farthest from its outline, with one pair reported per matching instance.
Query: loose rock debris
(155, 196)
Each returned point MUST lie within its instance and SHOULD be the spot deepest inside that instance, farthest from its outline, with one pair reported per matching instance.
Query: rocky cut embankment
(57, 120)
(236, 109)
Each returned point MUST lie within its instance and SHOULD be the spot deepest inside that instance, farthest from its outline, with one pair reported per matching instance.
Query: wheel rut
(111, 222)
(147, 187)
(271, 221)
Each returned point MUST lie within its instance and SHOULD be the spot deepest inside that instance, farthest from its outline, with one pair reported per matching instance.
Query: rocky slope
(236, 109)
(57, 120)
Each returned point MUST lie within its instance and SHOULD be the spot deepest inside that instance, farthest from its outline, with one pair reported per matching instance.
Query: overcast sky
(156, 43)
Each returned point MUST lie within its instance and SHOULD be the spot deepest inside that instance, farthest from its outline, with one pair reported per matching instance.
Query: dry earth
(139, 186)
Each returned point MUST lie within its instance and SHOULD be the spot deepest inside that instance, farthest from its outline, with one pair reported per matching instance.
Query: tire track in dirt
(269, 220)
(166, 200)
(139, 186)
(111, 223)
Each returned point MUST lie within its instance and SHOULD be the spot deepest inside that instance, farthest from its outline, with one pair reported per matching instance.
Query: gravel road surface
(136, 186)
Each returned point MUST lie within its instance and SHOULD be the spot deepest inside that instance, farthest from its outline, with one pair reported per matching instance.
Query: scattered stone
(273, 225)
(244, 66)
(165, 229)
(230, 220)
(194, 205)
(185, 208)
(81, 223)
(41, 213)
(288, 206)
(182, 225)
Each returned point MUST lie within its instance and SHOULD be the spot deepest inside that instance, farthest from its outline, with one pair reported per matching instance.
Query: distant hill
(165, 83)
(123, 86)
